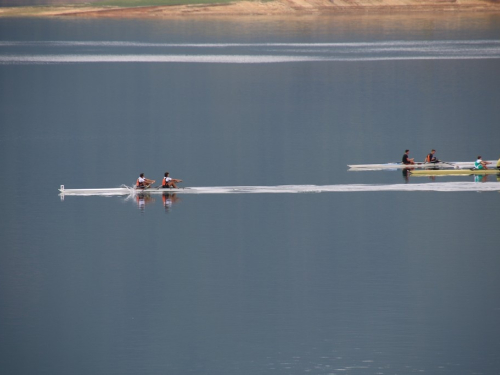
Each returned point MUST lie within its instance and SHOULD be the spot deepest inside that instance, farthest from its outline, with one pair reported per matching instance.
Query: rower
(169, 182)
(480, 164)
(143, 182)
(431, 158)
(498, 167)
(406, 159)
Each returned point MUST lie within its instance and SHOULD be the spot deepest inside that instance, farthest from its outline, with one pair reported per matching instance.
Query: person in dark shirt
(406, 158)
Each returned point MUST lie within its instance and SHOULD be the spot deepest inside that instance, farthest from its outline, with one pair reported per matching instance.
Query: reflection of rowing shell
(454, 164)
(453, 172)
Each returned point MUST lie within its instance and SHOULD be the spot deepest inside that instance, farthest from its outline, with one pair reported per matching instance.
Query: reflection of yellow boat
(453, 172)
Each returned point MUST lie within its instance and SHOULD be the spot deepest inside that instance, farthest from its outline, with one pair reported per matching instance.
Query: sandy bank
(256, 8)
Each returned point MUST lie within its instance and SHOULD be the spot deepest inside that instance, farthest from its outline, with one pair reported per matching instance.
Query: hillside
(254, 8)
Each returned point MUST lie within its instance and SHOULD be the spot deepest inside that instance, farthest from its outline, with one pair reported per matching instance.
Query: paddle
(161, 187)
(447, 162)
(142, 188)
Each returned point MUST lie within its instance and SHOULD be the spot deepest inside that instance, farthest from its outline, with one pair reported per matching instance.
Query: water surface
(332, 282)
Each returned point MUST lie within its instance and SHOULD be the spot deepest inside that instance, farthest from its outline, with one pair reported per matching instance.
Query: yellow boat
(454, 172)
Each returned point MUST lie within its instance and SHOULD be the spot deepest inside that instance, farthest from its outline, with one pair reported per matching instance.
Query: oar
(142, 188)
(159, 187)
(446, 162)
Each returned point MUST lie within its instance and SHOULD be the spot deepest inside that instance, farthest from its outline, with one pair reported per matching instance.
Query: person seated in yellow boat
(498, 164)
(480, 164)
(169, 182)
(143, 182)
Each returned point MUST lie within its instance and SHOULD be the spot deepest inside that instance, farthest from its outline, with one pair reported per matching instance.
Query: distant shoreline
(256, 8)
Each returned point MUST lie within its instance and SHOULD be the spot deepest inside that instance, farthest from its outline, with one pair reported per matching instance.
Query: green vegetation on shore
(64, 9)
(147, 3)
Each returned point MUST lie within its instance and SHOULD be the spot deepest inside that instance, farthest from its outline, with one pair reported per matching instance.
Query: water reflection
(169, 200)
(406, 174)
(142, 200)
(483, 178)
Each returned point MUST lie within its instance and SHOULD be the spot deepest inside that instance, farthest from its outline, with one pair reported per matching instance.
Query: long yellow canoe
(453, 172)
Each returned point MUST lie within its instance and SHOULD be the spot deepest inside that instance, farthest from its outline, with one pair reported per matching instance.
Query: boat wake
(58, 52)
(290, 189)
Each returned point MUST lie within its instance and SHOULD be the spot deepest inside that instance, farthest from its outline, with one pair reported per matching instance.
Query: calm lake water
(378, 282)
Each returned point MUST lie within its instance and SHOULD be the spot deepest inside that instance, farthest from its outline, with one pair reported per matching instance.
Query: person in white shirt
(169, 182)
(143, 182)
(480, 164)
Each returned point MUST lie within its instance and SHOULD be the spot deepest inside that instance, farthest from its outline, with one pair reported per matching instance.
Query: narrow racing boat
(124, 190)
(389, 166)
(292, 189)
(453, 172)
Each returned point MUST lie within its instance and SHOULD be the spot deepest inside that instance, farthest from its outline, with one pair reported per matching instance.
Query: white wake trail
(294, 189)
(243, 53)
